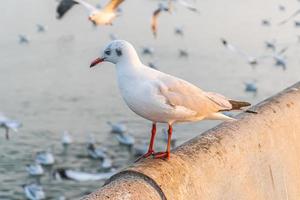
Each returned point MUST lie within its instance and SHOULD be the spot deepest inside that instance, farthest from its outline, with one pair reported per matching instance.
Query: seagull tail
(238, 105)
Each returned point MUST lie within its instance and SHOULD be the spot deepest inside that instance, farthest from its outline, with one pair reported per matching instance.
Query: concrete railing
(256, 157)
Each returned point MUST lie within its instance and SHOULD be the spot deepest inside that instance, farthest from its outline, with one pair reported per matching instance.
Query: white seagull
(8, 124)
(160, 97)
(117, 127)
(34, 191)
(103, 16)
(35, 169)
(45, 157)
(66, 139)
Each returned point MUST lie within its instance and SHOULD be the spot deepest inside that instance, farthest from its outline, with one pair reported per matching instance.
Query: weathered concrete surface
(256, 157)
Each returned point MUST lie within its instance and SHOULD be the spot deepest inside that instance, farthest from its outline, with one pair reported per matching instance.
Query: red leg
(151, 144)
(167, 153)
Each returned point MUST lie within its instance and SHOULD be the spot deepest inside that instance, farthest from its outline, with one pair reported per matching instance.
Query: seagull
(271, 45)
(250, 87)
(147, 50)
(159, 97)
(34, 192)
(281, 7)
(106, 163)
(66, 139)
(279, 58)
(179, 31)
(125, 139)
(183, 53)
(297, 23)
(96, 153)
(266, 22)
(35, 169)
(104, 16)
(153, 64)
(156, 13)
(118, 128)
(184, 3)
(251, 60)
(68, 174)
(40, 28)
(23, 39)
(8, 124)
(63, 7)
(45, 157)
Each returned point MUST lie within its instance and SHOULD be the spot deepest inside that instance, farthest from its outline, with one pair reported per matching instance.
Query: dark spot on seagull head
(119, 52)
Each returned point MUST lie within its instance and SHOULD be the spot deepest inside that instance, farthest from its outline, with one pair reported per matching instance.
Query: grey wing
(178, 92)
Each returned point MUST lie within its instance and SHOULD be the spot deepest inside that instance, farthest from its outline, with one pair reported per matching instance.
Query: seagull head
(116, 52)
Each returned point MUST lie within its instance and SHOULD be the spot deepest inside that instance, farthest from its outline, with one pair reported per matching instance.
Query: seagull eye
(107, 52)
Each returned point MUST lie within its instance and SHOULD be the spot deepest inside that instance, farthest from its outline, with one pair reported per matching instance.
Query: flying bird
(183, 53)
(162, 98)
(104, 16)
(251, 60)
(161, 8)
(179, 31)
(184, 3)
(23, 39)
(279, 58)
(40, 28)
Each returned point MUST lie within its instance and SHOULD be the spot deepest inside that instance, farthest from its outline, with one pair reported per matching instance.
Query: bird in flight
(103, 16)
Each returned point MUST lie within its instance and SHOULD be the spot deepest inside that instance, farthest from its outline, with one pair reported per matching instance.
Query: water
(48, 85)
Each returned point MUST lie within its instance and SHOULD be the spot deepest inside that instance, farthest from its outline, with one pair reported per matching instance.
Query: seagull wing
(14, 125)
(88, 6)
(63, 7)
(297, 12)
(155, 15)
(178, 92)
(154, 21)
(113, 5)
(188, 5)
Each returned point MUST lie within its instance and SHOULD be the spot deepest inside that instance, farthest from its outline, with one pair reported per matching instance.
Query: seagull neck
(129, 64)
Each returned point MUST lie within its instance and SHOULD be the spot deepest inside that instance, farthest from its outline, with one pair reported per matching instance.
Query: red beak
(97, 61)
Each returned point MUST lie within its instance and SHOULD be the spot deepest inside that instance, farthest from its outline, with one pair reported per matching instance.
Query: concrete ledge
(255, 157)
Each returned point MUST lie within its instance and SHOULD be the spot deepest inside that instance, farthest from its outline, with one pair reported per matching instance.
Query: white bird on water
(34, 191)
(159, 97)
(8, 124)
(66, 139)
